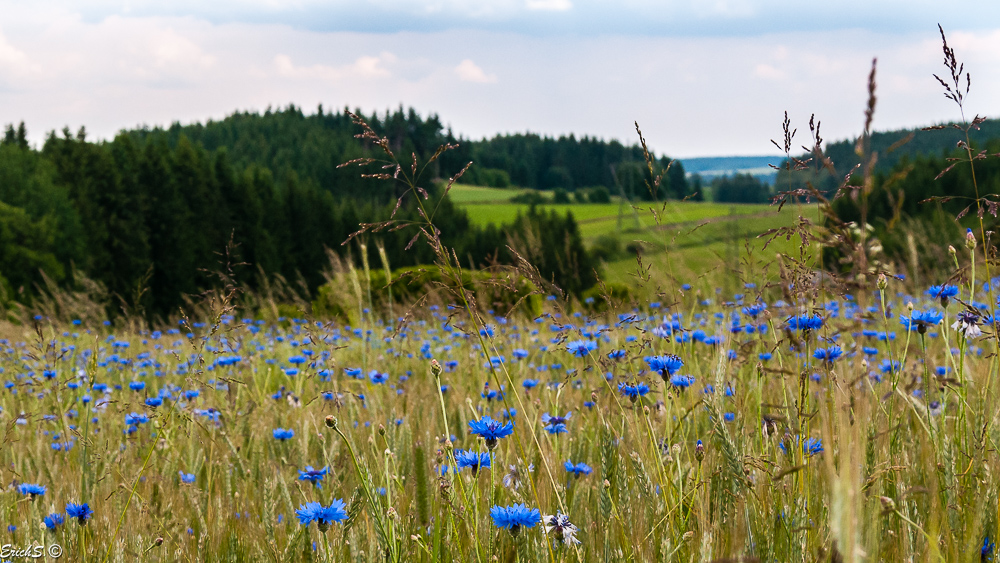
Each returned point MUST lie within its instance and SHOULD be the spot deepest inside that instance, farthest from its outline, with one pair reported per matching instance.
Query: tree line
(153, 217)
(313, 145)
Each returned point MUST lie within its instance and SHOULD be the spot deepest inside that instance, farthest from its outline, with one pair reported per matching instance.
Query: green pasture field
(493, 206)
(463, 194)
(679, 237)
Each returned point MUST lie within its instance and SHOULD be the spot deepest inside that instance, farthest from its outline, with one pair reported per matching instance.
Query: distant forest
(311, 146)
(149, 214)
(923, 190)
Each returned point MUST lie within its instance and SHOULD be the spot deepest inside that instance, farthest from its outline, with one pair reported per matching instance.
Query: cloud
(14, 63)
(365, 66)
(468, 71)
(170, 49)
(369, 67)
(549, 5)
(767, 71)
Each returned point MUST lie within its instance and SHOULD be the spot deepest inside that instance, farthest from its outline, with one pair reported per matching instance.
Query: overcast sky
(702, 77)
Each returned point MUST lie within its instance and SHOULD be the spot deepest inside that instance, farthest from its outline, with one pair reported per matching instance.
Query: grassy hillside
(676, 238)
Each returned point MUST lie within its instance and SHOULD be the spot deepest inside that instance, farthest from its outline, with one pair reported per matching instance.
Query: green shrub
(600, 194)
(491, 290)
(596, 298)
(530, 198)
(607, 248)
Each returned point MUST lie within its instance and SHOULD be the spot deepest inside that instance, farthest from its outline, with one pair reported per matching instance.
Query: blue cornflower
(491, 430)
(530, 383)
(556, 424)
(633, 392)
(323, 516)
(942, 292)
(81, 512)
(29, 489)
(810, 447)
(135, 419)
(754, 310)
(378, 378)
(616, 354)
(186, 477)
(472, 460)
(53, 520)
(664, 365)
(137, 385)
(514, 517)
(805, 322)
(890, 366)
(681, 382)
(581, 348)
(282, 434)
(154, 402)
(828, 354)
(986, 552)
(729, 416)
(579, 469)
(920, 320)
(314, 476)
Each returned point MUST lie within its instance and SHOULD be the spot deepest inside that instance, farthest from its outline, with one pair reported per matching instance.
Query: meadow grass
(756, 447)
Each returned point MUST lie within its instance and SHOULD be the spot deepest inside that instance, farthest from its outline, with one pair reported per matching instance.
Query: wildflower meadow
(786, 408)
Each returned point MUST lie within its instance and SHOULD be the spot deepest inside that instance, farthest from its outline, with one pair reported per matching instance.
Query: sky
(701, 77)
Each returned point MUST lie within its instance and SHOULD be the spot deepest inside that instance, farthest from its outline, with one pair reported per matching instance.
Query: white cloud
(171, 49)
(767, 71)
(370, 67)
(549, 5)
(365, 66)
(468, 71)
(14, 62)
